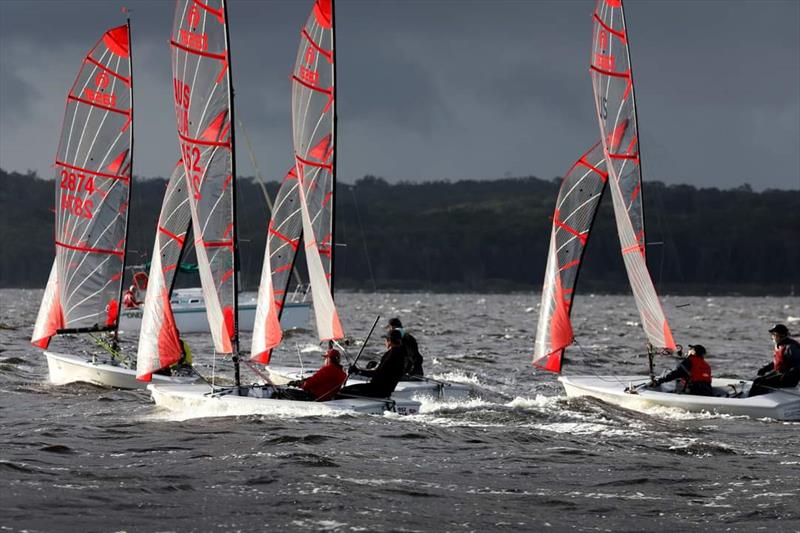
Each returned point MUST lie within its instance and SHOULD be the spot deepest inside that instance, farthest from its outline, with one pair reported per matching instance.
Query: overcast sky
(434, 89)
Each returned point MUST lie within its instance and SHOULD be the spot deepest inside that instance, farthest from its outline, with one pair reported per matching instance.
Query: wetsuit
(414, 358)
(384, 377)
(694, 372)
(782, 372)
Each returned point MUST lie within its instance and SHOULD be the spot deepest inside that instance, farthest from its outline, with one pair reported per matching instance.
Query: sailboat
(93, 180)
(205, 117)
(615, 163)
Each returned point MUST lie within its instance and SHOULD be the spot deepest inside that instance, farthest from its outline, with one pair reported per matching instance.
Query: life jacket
(780, 362)
(129, 300)
(325, 383)
(700, 371)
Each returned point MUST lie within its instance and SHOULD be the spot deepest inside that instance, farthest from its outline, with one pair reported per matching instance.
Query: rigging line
(259, 177)
(363, 238)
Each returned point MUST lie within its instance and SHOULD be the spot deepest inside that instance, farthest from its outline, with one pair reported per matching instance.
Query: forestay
(159, 344)
(93, 174)
(612, 81)
(578, 199)
(203, 110)
(313, 118)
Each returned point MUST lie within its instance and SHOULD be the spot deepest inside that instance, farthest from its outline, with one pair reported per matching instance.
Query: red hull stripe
(314, 163)
(626, 74)
(327, 53)
(327, 91)
(92, 172)
(101, 106)
(123, 79)
(171, 235)
(119, 253)
(616, 33)
(201, 142)
(197, 52)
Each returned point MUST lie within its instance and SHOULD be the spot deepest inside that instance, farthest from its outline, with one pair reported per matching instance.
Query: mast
(234, 233)
(335, 144)
(130, 183)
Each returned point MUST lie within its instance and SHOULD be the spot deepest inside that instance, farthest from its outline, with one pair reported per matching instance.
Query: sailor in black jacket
(385, 376)
(414, 363)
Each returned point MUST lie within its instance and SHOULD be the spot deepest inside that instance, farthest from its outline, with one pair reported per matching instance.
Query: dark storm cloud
(436, 89)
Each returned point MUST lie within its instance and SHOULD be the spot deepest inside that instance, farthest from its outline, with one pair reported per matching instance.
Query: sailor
(414, 358)
(784, 369)
(129, 299)
(324, 384)
(385, 376)
(693, 372)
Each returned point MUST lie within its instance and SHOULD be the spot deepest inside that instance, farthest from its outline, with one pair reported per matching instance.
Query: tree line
(489, 235)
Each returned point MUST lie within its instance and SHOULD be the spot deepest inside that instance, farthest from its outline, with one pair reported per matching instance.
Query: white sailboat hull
(68, 368)
(191, 317)
(778, 405)
(406, 390)
(197, 400)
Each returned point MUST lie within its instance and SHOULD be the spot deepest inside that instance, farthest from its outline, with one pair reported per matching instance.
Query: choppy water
(520, 458)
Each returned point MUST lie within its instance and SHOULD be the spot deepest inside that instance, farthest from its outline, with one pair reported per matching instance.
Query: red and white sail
(159, 342)
(283, 241)
(93, 174)
(203, 111)
(313, 112)
(612, 81)
(578, 199)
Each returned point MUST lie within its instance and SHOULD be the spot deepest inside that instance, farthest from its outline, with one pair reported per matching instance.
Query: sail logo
(182, 93)
(101, 81)
(602, 59)
(308, 75)
(191, 39)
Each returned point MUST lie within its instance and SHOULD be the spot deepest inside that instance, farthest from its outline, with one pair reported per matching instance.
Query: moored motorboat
(730, 396)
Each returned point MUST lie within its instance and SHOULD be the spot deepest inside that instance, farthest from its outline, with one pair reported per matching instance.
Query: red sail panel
(158, 324)
(203, 110)
(612, 80)
(578, 199)
(92, 190)
(51, 317)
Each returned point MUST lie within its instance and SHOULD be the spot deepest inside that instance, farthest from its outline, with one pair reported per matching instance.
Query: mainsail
(578, 199)
(283, 241)
(314, 125)
(612, 81)
(159, 343)
(204, 113)
(93, 175)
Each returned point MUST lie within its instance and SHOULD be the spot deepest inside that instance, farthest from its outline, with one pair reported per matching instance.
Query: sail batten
(612, 81)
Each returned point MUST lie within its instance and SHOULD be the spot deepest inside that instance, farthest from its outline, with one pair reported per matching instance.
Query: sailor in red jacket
(325, 383)
(694, 373)
(129, 299)
(784, 369)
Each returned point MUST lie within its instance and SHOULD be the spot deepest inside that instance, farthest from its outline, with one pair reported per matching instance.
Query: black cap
(393, 335)
(780, 329)
(395, 323)
(699, 349)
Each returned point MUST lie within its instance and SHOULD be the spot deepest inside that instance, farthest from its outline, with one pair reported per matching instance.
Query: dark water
(521, 458)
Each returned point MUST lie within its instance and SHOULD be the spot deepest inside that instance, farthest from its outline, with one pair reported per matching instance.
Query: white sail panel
(612, 80)
(327, 318)
(50, 318)
(93, 174)
(159, 345)
(578, 199)
(203, 110)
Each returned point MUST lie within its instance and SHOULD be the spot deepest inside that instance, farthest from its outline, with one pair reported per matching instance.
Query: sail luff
(335, 144)
(612, 82)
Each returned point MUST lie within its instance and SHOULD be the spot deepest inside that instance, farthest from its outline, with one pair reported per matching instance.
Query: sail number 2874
(78, 204)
